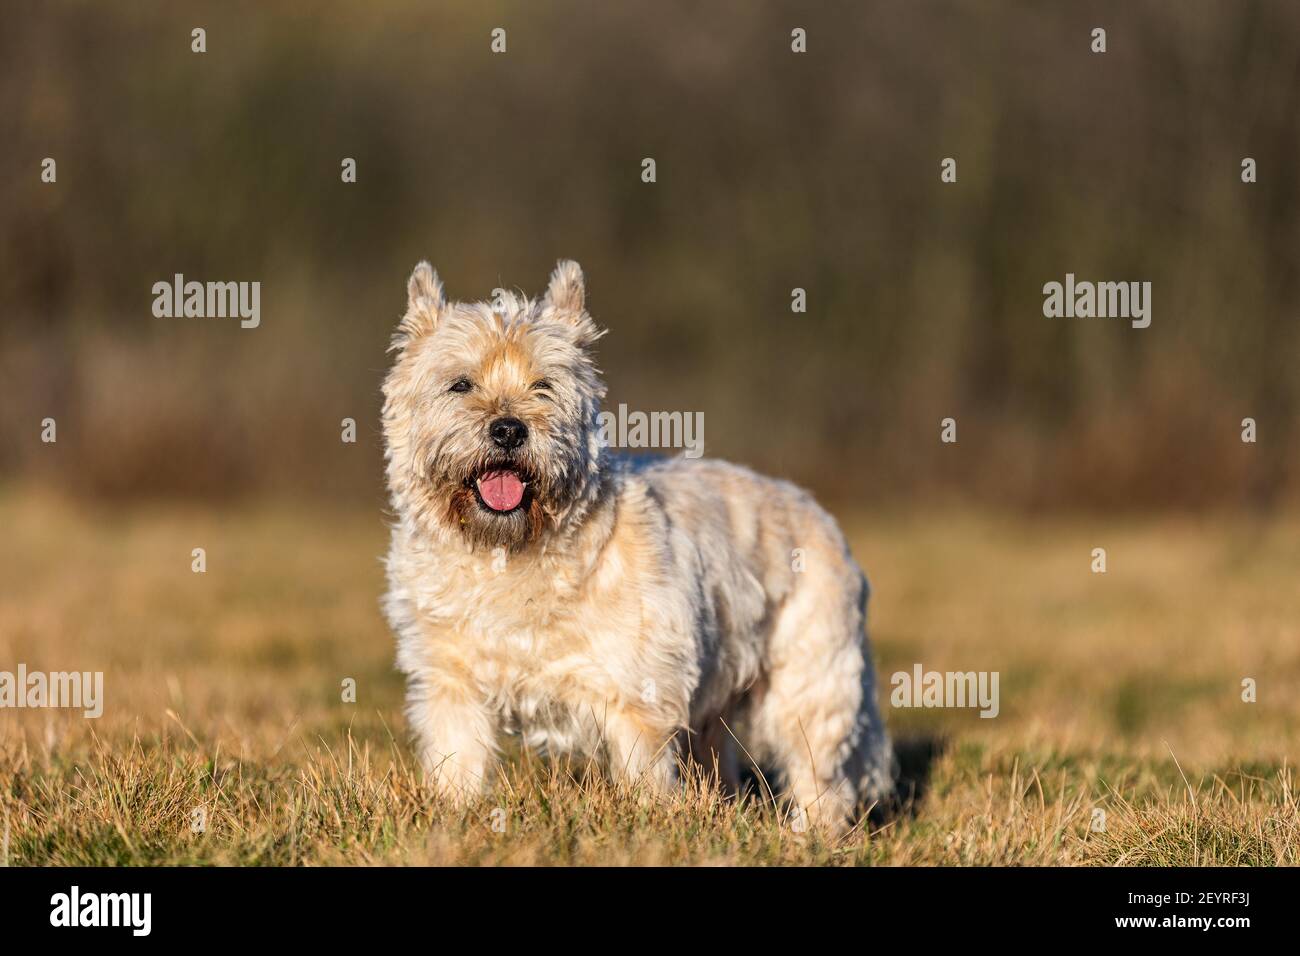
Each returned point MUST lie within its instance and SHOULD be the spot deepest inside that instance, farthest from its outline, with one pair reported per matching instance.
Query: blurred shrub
(775, 171)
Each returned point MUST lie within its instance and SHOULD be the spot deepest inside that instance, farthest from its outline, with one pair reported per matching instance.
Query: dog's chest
(549, 645)
(521, 633)
(534, 659)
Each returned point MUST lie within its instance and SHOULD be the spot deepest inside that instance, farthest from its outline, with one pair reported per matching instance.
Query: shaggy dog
(648, 614)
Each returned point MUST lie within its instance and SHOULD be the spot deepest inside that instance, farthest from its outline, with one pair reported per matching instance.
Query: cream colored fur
(640, 612)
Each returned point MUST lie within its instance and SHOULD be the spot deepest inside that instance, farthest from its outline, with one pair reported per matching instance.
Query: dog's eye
(541, 385)
(461, 385)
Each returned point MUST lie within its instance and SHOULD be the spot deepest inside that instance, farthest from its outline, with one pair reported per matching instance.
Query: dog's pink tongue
(502, 490)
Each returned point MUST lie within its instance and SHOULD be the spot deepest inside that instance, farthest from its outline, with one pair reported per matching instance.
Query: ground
(1119, 691)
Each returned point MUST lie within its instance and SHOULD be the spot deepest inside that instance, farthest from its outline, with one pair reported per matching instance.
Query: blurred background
(775, 171)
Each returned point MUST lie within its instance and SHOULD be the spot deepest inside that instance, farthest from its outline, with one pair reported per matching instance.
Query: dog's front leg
(638, 753)
(457, 736)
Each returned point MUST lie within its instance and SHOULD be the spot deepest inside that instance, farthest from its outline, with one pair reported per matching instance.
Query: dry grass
(1119, 692)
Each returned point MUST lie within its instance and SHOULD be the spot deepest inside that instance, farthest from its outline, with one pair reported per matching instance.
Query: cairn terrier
(655, 614)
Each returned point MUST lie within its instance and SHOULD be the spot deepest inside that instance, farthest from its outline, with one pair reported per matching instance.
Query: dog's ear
(567, 291)
(566, 300)
(424, 304)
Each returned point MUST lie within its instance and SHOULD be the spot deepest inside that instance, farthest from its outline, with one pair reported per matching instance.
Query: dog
(653, 614)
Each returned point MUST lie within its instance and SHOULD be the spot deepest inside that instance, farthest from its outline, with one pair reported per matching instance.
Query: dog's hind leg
(815, 715)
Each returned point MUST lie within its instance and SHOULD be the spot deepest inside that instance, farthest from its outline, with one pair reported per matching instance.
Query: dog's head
(490, 411)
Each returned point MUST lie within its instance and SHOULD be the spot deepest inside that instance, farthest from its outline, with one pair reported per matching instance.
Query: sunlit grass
(1121, 693)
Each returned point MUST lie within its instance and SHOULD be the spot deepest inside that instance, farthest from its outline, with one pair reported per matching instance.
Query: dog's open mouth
(501, 489)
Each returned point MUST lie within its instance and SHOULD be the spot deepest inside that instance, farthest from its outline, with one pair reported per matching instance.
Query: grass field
(1119, 691)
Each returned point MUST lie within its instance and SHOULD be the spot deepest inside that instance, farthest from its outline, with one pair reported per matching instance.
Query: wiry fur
(641, 612)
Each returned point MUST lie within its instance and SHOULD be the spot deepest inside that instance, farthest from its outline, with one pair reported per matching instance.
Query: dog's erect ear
(567, 291)
(566, 299)
(424, 290)
(424, 304)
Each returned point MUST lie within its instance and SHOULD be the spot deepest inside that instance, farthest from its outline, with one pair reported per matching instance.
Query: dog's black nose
(508, 433)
